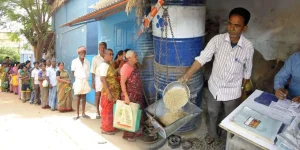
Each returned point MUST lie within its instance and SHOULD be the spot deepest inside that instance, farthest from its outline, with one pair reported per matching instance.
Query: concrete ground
(28, 127)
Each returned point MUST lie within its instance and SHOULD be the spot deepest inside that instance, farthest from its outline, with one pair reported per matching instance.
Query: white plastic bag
(290, 138)
(45, 83)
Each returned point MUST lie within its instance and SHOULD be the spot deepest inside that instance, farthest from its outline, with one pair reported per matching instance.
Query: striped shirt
(230, 65)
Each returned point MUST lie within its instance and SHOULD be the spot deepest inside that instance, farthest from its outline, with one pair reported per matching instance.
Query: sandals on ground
(209, 139)
(85, 116)
(108, 133)
(75, 118)
(130, 139)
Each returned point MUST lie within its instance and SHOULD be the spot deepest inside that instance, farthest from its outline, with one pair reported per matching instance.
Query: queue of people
(48, 84)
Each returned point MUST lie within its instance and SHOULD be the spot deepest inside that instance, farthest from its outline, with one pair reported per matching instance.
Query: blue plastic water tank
(188, 25)
(147, 72)
(187, 19)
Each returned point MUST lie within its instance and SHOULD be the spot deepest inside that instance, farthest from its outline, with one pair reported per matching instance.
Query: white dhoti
(98, 84)
(81, 86)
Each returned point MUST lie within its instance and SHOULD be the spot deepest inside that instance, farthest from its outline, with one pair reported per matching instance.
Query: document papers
(287, 106)
(257, 124)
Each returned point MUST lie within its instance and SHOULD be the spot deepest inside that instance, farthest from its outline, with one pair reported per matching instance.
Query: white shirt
(51, 73)
(230, 65)
(35, 75)
(103, 69)
(81, 71)
(97, 60)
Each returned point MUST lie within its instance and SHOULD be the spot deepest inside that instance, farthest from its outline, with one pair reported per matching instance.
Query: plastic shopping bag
(290, 138)
(127, 117)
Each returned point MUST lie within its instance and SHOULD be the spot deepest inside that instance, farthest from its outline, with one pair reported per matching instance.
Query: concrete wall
(106, 27)
(274, 25)
(68, 39)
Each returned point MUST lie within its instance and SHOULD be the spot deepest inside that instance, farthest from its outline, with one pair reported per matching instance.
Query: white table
(233, 130)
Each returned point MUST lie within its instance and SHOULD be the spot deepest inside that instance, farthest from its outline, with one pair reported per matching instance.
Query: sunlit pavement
(28, 127)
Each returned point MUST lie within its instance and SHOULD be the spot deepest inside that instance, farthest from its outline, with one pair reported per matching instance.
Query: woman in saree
(118, 59)
(64, 96)
(15, 78)
(110, 92)
(132, 88)
(124, 61)
(3, 77)
(25, 89)
(20, 82)
(44, 88)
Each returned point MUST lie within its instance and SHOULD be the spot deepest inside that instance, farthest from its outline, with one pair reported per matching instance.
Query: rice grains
(171, 116)
(174, 100)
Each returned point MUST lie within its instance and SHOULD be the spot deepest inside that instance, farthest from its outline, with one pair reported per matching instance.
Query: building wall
(107, 30)
(92, 33)
(68, 39)
(273, 28)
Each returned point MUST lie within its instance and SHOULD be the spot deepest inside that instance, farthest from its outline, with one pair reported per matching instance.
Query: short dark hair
(36, 62)
(42, 64)
(24, 67)
(6, 57)
(241, 12)
(108, 49)
(28, 61)
(59, 63)
(119, 53)
(103, 43)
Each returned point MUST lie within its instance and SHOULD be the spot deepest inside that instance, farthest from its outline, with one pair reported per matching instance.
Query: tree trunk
(38, 50)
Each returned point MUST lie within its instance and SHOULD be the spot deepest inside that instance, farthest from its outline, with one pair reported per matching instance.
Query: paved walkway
(28, 127)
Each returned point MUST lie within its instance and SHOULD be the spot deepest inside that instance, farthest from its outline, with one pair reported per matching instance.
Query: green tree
(34, 15)
(12, 53)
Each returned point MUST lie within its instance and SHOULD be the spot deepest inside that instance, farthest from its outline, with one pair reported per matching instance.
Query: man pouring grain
(231, 70)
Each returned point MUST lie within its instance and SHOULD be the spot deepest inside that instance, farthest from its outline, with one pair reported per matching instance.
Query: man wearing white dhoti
(81, 71)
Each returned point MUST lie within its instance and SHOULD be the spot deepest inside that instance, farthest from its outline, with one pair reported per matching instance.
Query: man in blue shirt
(290, 70)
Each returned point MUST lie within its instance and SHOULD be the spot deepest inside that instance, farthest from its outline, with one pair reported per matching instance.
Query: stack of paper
(287, 106)
(257, 124)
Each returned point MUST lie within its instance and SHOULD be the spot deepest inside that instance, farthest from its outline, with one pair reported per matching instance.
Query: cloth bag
(127, 117)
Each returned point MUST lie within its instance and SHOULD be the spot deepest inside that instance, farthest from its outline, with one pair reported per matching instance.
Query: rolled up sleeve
(249, 63)
(208, 52)
(283, 75)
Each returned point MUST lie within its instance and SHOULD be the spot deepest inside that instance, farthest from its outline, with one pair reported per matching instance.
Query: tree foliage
(12, 53)
(34, 15)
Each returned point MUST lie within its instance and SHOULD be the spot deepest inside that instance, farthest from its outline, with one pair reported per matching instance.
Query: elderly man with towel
(81, 71)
